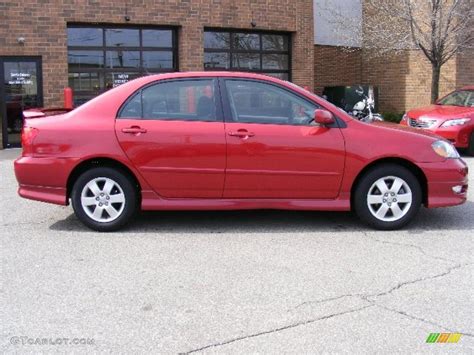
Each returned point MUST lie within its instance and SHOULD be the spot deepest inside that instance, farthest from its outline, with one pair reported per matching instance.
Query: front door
(173, 132)
(20, 89)
(274, 148)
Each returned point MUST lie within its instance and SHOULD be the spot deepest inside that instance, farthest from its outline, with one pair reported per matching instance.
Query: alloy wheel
(389, 198)
(102, 199)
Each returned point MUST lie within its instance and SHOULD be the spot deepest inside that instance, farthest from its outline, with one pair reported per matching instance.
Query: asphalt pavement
(232, 282)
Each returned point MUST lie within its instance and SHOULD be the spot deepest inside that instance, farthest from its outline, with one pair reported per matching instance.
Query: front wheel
(104, 199)
(388, 197)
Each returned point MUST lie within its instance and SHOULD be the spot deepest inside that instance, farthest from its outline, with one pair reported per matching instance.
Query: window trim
(217, 100)
(231, 50)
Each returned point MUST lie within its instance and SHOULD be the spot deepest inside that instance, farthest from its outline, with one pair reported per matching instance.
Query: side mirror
(323, 117)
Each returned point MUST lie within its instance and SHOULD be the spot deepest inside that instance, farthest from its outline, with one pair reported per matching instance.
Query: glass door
(20, 89)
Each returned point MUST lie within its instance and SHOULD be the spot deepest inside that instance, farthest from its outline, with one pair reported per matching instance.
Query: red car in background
(223, 141)
(452, 118)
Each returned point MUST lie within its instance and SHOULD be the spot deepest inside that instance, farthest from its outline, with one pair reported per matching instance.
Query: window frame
(141, 70)
(218, 107)
(231, 50)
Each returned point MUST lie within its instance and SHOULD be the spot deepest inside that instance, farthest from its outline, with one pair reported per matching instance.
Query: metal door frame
(39, 83)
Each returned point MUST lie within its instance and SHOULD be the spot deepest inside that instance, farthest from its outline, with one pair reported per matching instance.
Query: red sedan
(452, 118)
(221, 141)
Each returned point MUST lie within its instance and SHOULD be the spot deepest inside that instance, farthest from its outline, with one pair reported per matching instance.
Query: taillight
(28, 135)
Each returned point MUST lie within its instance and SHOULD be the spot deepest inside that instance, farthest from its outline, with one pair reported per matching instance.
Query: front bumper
(442, 177)
(457, 135)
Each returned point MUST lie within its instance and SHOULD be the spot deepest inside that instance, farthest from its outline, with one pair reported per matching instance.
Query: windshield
(459, 98)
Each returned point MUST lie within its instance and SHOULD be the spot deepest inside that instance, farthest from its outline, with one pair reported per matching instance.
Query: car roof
(469, 87)
(191, 74)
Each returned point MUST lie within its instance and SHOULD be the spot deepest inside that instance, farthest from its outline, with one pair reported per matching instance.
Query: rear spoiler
(43, 112)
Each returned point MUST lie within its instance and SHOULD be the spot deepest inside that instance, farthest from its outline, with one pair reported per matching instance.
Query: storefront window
(121, 37)
(101, 58)
(260, 52)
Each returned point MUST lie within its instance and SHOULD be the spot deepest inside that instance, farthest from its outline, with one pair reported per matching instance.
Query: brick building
(403, 79)
(92, 45)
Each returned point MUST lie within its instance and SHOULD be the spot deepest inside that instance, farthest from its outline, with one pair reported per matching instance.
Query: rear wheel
(104, 199)
(387, 197)
(470, 148)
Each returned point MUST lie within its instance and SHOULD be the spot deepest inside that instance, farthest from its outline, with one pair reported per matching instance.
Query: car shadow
(276, 221)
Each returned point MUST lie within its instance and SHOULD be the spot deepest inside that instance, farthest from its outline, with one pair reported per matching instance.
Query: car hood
(441, 112)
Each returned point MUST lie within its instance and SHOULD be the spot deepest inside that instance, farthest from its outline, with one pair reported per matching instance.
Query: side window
(254, 102)
(133, 107)
(190, 100)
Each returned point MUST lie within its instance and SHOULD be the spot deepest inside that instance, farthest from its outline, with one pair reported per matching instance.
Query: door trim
(3, 109)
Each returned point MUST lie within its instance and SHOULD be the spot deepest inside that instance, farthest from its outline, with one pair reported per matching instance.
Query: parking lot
(233, 282)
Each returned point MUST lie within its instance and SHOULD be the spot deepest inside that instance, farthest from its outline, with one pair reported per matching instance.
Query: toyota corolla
(223, 141)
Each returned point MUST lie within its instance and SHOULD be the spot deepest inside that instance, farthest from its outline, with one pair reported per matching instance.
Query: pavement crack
(411, 282)
(404, 314)
(325, 300)
(366, 297)
(417, 247)
(276, 330)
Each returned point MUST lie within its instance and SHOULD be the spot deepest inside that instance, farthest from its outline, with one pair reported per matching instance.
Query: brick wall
(43, 23)
(465, 68)
(403, 79)
(334, 66)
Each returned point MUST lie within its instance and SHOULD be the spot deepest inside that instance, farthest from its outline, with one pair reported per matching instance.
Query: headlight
(455, 122)
(445, 149)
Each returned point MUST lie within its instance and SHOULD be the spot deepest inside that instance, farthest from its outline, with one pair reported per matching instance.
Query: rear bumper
(442, 178)
(54, 195)
(43, 179)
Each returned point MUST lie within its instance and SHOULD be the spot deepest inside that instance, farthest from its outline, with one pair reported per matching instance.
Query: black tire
(367, 182)
(470, 148)
(122, 181)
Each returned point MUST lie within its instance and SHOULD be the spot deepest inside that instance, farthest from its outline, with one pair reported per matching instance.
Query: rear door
(274, 148)
(173, 132)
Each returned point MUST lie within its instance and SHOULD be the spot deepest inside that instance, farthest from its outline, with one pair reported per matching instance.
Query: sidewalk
(9, 154)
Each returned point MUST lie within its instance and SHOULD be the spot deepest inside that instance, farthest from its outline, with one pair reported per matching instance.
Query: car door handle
(241, 133)
(134, 130)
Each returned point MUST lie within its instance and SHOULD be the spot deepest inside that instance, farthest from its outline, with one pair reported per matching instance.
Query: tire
(104, 199)
(398, 191)
(470, 148)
